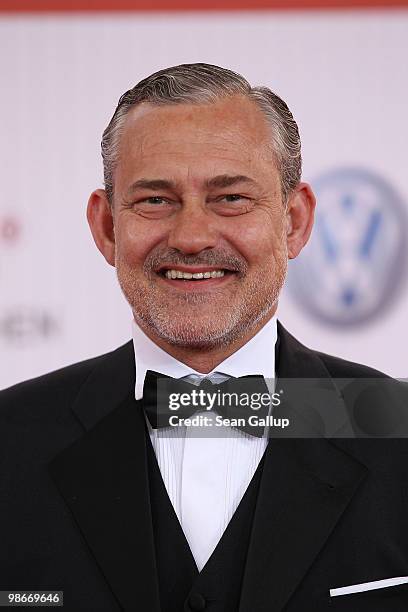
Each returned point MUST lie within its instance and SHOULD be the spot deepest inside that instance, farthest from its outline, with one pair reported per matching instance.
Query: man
(202, 208)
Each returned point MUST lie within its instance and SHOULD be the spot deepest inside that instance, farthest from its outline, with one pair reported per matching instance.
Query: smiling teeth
(196, 276)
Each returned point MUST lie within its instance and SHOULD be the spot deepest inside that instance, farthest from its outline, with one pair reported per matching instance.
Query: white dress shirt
(206, 477)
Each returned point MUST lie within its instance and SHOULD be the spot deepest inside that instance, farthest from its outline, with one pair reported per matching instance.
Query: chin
(190, 337)
(200, 336)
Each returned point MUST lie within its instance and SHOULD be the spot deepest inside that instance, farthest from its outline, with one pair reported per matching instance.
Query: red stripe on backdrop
(34, 6)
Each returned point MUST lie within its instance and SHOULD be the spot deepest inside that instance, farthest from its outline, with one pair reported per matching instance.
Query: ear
(299, 218)
(100, 219)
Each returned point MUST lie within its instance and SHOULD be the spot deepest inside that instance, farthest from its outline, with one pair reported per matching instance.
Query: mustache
(220, 258)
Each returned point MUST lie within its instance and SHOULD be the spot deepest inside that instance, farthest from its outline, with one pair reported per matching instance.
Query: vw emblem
(356, 259)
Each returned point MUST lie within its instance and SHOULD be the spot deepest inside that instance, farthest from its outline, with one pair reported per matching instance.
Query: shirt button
(196, 602)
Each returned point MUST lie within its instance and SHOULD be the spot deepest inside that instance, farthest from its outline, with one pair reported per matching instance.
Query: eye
(233, 197)
(232, 204)
(155, 200)
(151, 207)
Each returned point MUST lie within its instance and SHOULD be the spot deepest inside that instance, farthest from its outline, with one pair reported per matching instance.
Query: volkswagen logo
(355, 262)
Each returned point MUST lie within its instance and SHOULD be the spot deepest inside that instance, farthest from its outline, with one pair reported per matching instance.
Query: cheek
(260, 243)
(135, 240)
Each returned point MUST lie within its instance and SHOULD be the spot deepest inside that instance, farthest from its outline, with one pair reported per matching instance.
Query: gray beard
(234, 324)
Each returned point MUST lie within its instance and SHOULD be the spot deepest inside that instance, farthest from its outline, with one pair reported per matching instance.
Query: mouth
(195, 276)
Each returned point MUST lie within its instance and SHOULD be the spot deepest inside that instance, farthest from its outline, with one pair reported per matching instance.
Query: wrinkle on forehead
(226, 137)
(227, 145)
(229, 123)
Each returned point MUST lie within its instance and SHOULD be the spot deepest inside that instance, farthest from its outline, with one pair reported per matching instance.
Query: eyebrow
(225, 180)
(151, 184)
(221, 181)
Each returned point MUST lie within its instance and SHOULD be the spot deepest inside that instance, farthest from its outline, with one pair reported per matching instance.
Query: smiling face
(200, 235)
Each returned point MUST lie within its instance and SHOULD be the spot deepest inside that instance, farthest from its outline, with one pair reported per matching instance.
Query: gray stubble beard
(155, 316)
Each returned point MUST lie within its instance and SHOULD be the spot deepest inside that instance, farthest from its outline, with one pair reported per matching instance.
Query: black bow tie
(160, 391)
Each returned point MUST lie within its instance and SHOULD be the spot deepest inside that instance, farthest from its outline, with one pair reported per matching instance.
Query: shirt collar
(257, 356)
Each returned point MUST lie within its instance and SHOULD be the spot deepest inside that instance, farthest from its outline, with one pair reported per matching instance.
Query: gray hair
(202, 84)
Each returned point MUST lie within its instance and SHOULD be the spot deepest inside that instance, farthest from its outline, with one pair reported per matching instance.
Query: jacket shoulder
(341, 368)
(299, 360)
(59, 386)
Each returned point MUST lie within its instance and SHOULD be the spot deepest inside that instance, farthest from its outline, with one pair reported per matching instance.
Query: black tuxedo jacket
(75, 512)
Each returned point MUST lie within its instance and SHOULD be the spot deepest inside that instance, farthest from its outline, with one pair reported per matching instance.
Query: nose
(193, 229)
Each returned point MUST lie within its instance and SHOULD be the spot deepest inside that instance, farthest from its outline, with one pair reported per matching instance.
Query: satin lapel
(306, 486)
(103, 478)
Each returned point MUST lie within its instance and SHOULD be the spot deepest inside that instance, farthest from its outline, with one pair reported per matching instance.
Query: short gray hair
(203, 84)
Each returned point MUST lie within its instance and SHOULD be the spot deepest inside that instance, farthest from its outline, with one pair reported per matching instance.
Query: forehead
(231, 130)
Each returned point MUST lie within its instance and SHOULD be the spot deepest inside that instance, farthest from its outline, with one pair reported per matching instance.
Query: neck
(207, 359)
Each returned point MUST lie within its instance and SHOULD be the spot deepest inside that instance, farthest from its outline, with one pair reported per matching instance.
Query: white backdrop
(343, 75)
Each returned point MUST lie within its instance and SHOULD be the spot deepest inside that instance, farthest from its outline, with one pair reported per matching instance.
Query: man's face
(197, 192)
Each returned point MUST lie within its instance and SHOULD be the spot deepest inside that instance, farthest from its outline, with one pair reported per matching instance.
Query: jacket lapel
(104, 480)
(306, 486)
